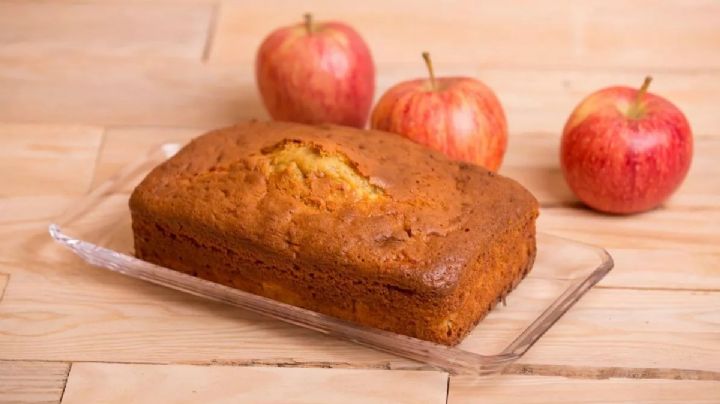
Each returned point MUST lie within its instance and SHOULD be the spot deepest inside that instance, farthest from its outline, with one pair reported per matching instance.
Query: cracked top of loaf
(365, 201)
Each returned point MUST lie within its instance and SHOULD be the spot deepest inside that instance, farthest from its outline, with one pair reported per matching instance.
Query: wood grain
(132, 92)
(636, 329)
(97, 382)
(28, 241)
(47, 159)
(122, 145)
(663, 269)
(609, 372)
(544, 389)
(32, 382)
(589, 34)
(103, 29)
(686, 230)
(17, 209)
(77, 313)
(163, 93)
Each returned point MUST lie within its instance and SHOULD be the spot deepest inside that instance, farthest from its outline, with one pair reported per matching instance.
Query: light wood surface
(590, 34)
(174, 93)
(95, 383)
(553, 389)
(112, 29)
(88, 86)
(36, 159)
(32, 382)
(70, 312)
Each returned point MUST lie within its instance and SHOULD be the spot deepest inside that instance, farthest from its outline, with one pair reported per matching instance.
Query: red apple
(625, 150)
(459, 116)
(316, 73)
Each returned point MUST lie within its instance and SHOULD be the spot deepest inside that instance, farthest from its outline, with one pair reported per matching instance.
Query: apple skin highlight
(316, 73)
(620, 157)
(459, 116)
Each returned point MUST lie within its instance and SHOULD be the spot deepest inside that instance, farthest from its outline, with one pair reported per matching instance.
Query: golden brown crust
(363, 225)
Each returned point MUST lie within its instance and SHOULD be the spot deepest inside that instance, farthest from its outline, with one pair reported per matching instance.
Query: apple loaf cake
(366, 226)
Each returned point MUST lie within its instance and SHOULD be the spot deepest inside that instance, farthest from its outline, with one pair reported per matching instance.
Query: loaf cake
(365, 226)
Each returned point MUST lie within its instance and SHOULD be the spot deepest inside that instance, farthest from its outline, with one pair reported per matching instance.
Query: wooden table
(86, 87)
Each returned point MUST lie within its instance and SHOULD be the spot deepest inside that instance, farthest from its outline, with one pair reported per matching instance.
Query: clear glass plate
(98, 229)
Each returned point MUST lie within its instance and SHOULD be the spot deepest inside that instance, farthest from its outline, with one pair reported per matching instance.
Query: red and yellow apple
(459, 116)
(625, 150)
(316, 73)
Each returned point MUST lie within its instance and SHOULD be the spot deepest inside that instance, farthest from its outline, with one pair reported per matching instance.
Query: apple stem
(635, 111)
(308, 23)
(428, 63)
(643, 89)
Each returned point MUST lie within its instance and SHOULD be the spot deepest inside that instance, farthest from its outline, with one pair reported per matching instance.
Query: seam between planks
(576, 372)
(96, 162)
(581, 206)
(210, 36)
(447, 388)
(658, 288)
(508, 66)
(67, 377)
(607, 372)
(280, 363)
(5, 285)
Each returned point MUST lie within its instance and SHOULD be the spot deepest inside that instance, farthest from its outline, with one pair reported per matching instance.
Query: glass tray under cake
(98, 229)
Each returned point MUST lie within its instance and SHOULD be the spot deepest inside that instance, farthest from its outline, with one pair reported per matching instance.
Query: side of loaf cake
(365, 226)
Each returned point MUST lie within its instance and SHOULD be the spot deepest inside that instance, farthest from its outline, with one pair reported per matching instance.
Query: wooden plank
(46, 160)
(663, 269)
(132, 92)
(533, 160)
(663, 228)
(32, 382)
(4, 278)
(14, 209)
(173, 1)
(153, 92)
(118, 383)
(590, 34)
(123, 145)
(544, 389)
(103, 29)
(635, 329)
(26, 242)
(77, 313)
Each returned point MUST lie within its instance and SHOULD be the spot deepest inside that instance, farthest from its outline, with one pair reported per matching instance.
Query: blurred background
(190, 62)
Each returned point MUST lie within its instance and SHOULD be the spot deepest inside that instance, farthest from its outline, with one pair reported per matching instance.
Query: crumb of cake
(306, 166)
